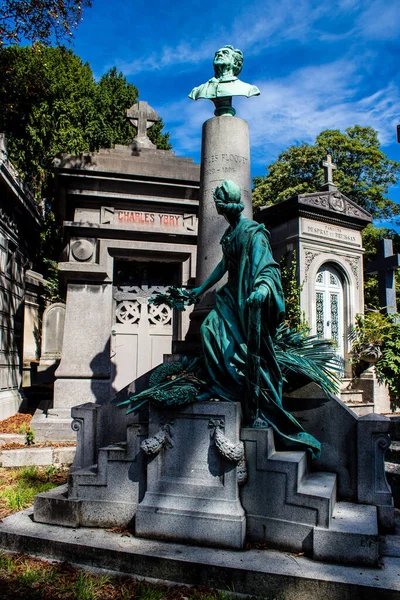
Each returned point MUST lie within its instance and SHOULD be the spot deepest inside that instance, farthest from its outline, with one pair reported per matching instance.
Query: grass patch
(18, 487)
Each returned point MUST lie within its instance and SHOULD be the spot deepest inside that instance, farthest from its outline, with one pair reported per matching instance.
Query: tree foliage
(364, 173)
(50, 103)
(383, 331)
(370, 237)
(295, 317)
(39, 20)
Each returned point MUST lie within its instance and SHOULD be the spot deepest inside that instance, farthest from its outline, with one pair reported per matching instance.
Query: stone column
(84, 374)
(225, 154)
(84, 371)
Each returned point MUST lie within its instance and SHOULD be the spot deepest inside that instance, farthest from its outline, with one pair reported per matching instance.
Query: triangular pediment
(335, 202)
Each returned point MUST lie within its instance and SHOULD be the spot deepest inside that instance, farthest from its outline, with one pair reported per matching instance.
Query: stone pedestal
(192, 491)
(225, 154)
(84, 371)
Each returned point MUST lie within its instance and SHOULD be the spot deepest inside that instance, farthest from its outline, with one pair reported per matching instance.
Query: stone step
(318, 490)
(362, 408)
(352, 537)
(351, 396)
(296, 461)
(249, 573)
(12, 438)
(31, 456)
(389, 545)
(57, 508)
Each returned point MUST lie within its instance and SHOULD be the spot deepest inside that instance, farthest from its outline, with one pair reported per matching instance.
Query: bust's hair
(227, 198)
(237, 59)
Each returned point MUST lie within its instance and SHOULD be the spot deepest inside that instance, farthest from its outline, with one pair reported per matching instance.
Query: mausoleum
(129, 217)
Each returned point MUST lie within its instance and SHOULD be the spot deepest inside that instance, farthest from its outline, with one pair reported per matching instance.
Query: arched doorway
(329, 306)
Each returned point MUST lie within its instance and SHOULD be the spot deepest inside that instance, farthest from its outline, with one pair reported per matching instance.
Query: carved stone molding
(229, 450)
(162, 439)
(82, 250)
(354, 265)
(309, 257)
(334, 201)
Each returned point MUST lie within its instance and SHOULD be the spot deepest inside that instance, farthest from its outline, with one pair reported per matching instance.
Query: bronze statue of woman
(237, 335)
(239, 359)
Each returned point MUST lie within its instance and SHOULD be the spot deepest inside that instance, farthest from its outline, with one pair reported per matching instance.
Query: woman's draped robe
(249, 260)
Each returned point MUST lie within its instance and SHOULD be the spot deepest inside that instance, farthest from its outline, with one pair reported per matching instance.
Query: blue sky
(318, 65)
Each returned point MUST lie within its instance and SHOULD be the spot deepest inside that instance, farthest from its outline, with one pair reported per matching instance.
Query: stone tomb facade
(323, 229)
(20, 289)
(130, 224)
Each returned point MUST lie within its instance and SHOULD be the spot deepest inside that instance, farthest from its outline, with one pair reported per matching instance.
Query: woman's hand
(258, 297)
(196, 292)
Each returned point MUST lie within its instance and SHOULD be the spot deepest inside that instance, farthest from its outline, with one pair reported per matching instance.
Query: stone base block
(55, 508)
(221, 531)
(71, 392)
(10, 402)
(192, 490)
(52, 428)
(285, 535)
(352, 537)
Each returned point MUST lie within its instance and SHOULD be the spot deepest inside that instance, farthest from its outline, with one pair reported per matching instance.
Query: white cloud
(380, 21)
(257, 26)
(265, 24)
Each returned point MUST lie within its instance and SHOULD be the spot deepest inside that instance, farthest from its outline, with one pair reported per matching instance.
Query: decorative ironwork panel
(133, 305)
(160, 315)
(334, 299)
(320, 277)
(320, 314)
(128, 311)
(333, 280)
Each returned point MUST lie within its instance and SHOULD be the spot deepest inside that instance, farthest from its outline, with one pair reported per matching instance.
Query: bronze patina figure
(228, 63)
(246, 348)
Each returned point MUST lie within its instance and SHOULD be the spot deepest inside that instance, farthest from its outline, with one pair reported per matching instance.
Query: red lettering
(120, 215)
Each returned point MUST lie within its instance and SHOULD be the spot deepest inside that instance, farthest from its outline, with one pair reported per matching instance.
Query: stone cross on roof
(385, 266)
(143, 117)
(328, 170)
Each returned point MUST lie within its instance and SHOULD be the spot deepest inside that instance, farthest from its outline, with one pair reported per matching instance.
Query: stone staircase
(105, 494)
(354, 398)
(292, 509)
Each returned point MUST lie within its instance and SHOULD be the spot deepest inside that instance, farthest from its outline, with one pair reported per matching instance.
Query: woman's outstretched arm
(215, 276)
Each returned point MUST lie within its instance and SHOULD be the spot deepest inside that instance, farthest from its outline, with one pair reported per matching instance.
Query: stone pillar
(85, 364)
(84, 374)
(225, 154)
